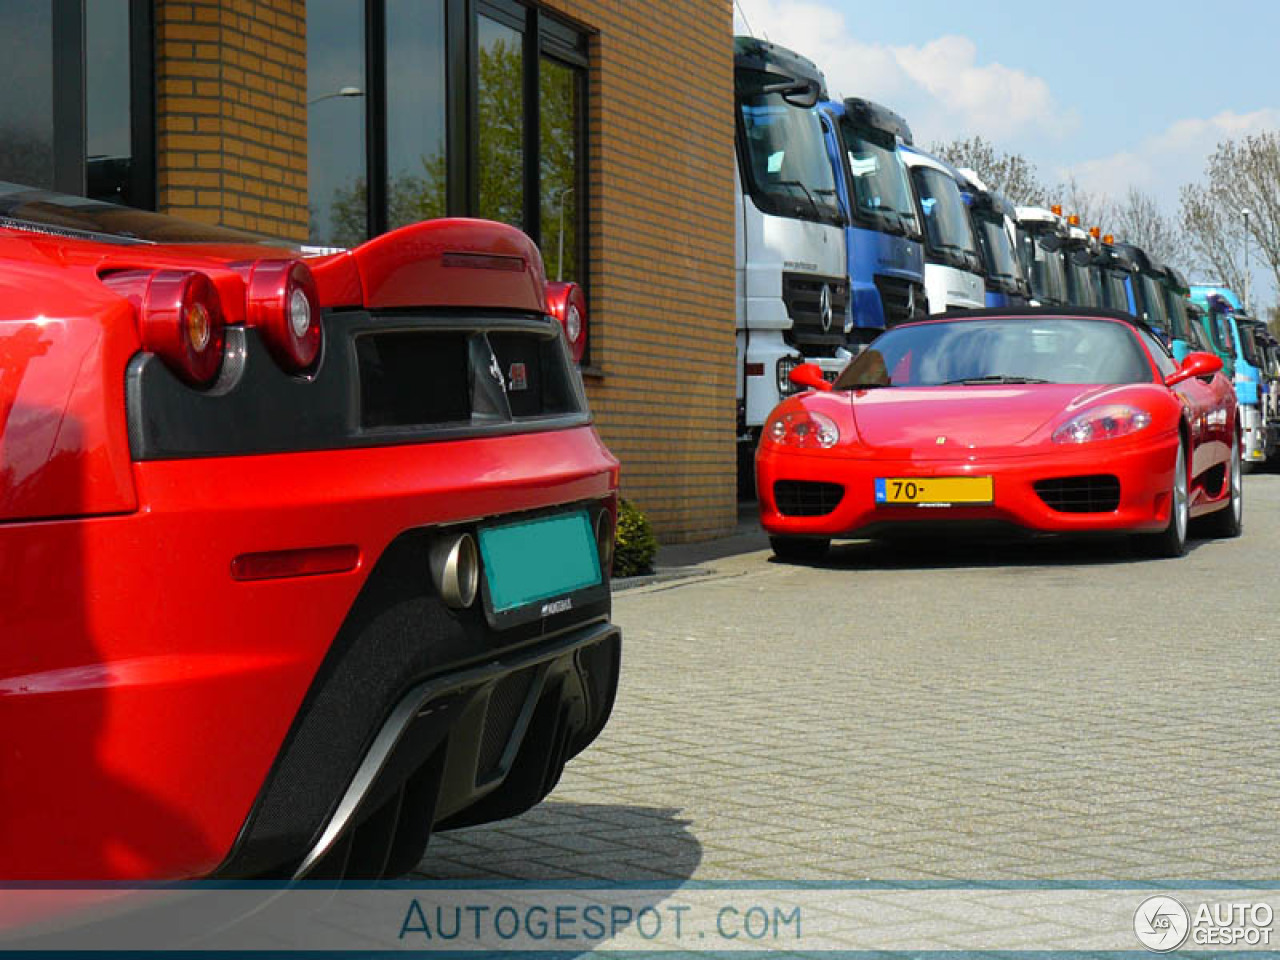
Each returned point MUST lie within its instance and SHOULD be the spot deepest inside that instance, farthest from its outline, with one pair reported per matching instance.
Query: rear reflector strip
(308, 562)
(484, 261)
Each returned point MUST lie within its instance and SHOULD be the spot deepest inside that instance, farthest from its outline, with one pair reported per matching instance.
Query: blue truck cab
(995, 227)
(1227, 326)
(883, 238)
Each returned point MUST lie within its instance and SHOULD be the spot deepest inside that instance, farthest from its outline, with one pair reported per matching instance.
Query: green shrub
(634, 543)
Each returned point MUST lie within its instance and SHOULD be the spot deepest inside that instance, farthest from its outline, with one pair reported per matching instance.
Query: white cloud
(1161, 164)
(941, 87)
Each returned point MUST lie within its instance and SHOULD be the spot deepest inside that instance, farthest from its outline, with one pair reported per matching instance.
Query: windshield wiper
(993, 378)
(807, 195)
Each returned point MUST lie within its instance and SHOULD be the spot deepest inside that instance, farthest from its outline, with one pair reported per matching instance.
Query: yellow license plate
(934, 490)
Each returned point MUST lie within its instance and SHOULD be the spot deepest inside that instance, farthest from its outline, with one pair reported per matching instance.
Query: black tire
(1229, 521)
(1172, 541)
(799, 549)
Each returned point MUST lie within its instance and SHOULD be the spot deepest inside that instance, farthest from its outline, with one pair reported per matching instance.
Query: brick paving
(1034, 712)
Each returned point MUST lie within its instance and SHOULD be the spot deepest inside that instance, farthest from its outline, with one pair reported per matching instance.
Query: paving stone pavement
(1029, 712)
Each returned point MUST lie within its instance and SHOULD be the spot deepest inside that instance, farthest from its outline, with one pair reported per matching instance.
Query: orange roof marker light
(1074, 220)
(1109, 238)
(1057, 209)
(1095, 232)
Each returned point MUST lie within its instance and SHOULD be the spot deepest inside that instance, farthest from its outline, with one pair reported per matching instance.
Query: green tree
(1011, 174)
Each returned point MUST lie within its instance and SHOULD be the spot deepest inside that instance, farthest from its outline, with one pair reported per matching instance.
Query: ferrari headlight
(1102, 423)
(804, 429)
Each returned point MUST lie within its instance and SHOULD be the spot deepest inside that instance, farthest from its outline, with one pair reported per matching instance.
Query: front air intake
(806, 498)
(1092, 494)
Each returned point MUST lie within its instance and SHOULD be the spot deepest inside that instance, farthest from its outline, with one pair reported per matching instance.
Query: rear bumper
(148, 701)
(1145, 473)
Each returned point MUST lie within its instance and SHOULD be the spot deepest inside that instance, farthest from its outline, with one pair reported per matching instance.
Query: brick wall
(232, 135)
(661, 248)
(231, 125)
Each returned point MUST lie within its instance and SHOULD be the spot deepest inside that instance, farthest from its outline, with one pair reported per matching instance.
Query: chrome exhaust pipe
(455, 569)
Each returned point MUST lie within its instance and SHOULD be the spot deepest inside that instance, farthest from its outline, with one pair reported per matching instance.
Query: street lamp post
(560, 254)
(344, 92)
(1247, 278)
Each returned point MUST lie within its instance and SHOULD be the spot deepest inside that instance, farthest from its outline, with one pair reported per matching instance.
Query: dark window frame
(545, 35)
(69, 53)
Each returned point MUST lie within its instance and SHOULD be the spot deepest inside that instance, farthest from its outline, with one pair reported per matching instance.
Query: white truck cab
(952, 261)
(792, 281)
(1042, 235)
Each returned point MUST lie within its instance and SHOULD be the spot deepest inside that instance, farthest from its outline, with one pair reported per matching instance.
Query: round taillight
(568, 304)
(182, 323)
(283, 303)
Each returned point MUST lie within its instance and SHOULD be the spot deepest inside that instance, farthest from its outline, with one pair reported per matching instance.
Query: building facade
(603, 128)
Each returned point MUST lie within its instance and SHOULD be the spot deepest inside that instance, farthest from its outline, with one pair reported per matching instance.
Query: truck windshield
(1000, 350)
(1114, 294)
(947, 228)
(1179, 323)
(1152, 306)
(1048, 278)
(997, 250)
(24, 207)
(1080, 291)
(785, 159)
(878, 188)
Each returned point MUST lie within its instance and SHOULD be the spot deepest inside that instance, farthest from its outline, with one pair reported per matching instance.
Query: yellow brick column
(231, 113)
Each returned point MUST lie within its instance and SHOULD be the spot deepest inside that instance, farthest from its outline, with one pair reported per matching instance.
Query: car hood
(957, 422)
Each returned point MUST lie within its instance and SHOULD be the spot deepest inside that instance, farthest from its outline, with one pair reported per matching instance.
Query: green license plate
(539, 559)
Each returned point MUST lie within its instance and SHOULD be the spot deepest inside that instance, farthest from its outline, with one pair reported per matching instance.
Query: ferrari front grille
(806, 498)
(1098, 493)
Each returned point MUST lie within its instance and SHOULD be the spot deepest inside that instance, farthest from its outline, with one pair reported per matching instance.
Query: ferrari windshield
(28, 208)
(1001, 350)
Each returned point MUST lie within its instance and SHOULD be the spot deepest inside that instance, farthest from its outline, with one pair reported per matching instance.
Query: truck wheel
(799, 549)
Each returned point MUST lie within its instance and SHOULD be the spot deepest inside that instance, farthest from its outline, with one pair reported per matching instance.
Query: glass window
(336, 175)
(947, 228)
(787, 170)
(1153, 305)
(560, 108)
(997, 251)
(416, 142)
(108, 118)
(881, 191)
(1043, 349)
(26, 109)
(1159, 353)
(500, 164)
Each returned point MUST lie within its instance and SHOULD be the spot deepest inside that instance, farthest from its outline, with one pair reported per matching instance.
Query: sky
(1135, 92)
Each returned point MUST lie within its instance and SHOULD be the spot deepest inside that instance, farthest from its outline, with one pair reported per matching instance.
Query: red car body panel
(1004, 432)
(145, 693)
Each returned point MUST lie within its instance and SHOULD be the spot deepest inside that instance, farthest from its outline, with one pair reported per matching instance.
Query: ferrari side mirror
(1196, 364)
(809, 375)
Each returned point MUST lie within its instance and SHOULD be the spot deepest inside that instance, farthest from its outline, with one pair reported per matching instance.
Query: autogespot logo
(1161, 923)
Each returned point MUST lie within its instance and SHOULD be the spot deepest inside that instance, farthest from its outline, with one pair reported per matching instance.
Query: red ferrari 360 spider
(300, 557)
(999, 420)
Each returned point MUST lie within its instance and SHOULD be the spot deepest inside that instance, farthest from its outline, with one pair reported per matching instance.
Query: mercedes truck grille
(817, 308)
